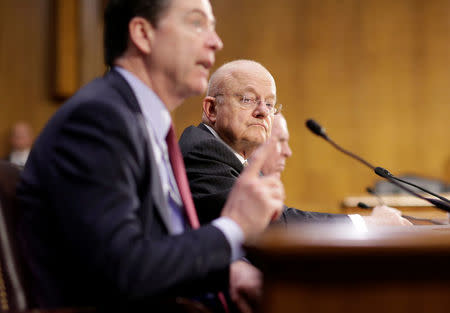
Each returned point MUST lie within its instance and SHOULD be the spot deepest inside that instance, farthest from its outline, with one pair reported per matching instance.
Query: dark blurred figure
(20, 141)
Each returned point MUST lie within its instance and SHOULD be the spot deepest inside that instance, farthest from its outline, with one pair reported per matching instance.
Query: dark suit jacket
(96, 227)
(212, 168)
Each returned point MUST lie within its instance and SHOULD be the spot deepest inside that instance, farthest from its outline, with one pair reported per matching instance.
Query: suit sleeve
(97, 167)
(293, 215)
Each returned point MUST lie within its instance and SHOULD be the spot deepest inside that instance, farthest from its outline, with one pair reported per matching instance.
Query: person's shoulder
(101, 98)
(98, 90)
(199, 131)
(199, 144)
(97, 104)
(195, 135)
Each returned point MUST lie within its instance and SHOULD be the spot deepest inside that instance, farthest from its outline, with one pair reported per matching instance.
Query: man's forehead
(254, 81)
(192, 6)
(280, 127)
(255, 88)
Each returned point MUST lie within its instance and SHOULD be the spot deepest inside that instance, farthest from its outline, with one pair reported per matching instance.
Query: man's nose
(214, 41)
(261, 109)
(287, 151)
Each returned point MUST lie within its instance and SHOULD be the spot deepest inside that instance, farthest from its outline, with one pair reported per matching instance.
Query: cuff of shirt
(234, 235)
(358, 222)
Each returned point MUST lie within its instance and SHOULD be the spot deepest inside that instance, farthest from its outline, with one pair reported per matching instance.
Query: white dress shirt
(19, 157)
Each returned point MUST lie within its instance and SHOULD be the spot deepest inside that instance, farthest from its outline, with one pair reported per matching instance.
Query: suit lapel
(203, 127)
(230, 157)
(156, 190)
(156, 194)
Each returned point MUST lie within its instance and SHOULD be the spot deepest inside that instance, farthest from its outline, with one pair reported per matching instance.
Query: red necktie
(179, 171)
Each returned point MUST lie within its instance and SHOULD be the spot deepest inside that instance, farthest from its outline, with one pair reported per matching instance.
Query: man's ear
(141, 33)
(210, 109)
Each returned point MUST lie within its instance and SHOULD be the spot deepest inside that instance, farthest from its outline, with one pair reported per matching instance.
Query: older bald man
(239, 113)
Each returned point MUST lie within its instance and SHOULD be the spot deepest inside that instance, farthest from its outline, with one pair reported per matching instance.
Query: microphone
(437, 203)
(380, 171)
(362, 205)
(315, 127)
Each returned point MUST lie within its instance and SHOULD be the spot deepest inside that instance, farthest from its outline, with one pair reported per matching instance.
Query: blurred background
(374, 73)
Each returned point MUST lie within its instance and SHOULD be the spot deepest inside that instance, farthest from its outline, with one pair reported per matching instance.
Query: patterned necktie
(179, 171)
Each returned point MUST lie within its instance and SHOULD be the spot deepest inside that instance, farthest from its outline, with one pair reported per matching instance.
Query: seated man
(276, 162)
(21, 139)
(238, 113)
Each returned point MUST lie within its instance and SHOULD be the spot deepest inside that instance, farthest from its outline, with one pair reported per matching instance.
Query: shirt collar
(240, 157)
(153, 109)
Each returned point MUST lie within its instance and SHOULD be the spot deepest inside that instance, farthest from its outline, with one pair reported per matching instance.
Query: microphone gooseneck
(315, 127)
(385, 173)
(437, 203)
(320, 131)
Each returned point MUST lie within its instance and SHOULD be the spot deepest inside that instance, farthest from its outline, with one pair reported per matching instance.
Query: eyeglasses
(251, 103)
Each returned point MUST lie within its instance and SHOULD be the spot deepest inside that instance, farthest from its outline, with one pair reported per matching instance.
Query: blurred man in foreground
(238, 116)
(108, 217)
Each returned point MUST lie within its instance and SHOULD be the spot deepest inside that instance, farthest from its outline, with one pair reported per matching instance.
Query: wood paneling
(25, 64)
(91, 39)
(47, 48)
(67, 47)
(375, 73)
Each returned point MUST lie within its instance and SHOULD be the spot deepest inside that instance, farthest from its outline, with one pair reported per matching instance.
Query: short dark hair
(118, 14)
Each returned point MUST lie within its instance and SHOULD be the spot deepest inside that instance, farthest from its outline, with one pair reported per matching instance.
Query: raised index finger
(259, 157)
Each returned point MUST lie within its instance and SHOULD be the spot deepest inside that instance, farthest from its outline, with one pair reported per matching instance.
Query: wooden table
(337, 269)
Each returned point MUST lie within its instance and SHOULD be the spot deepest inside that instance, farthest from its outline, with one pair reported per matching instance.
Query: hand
(384, 215)
(245, 286)
(255, 200)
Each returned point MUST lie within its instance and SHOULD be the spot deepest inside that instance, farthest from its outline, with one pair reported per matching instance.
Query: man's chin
(258, 137)
(196, 87)
(199, 88)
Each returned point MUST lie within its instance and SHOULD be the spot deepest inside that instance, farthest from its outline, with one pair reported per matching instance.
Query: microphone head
(316, 128)
(362, 205)
(382, 172)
